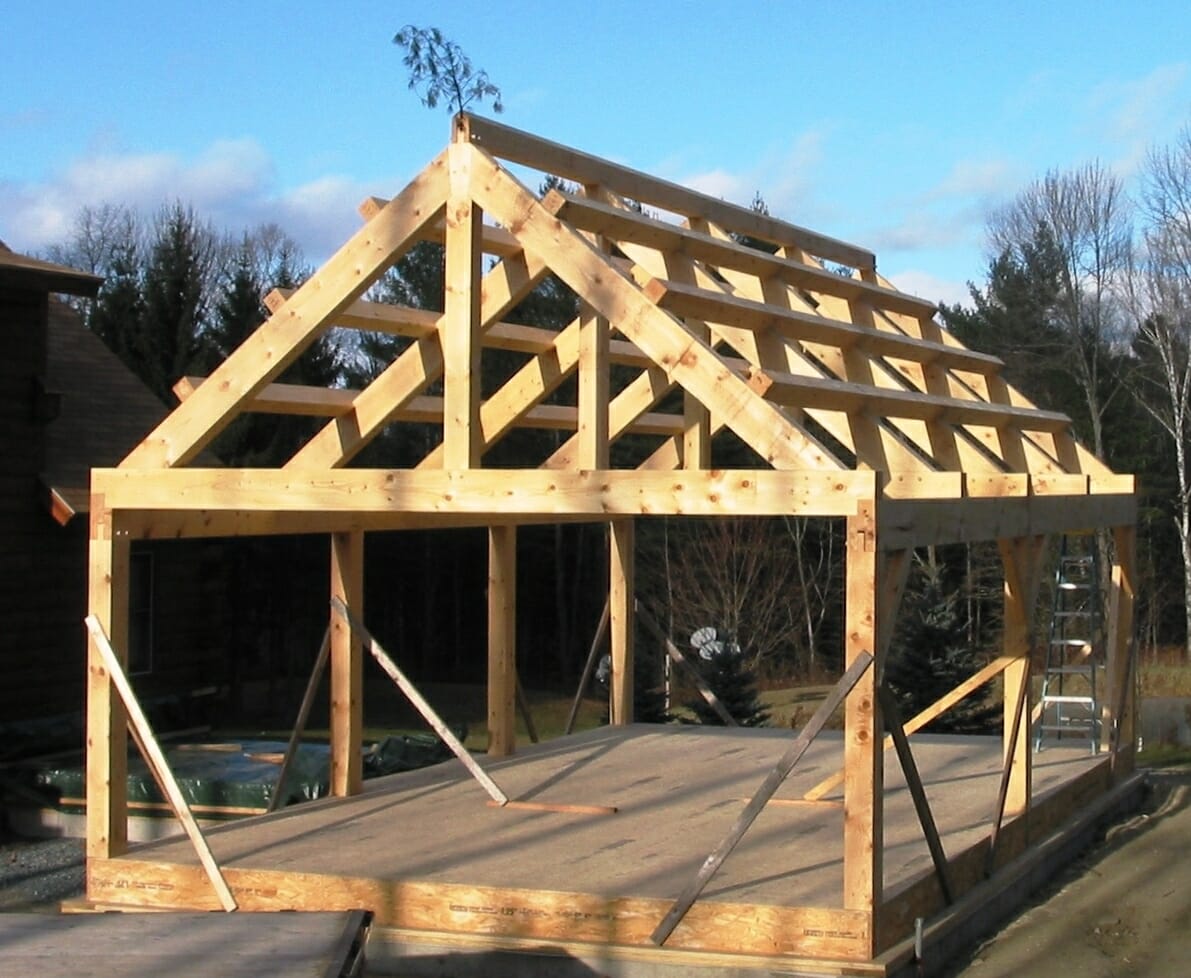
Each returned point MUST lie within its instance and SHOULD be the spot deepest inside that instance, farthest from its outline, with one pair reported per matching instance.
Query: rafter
(689, 361)
(309, 312)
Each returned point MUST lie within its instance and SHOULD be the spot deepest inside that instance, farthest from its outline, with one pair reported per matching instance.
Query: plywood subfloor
(677, 791)
(201, 945)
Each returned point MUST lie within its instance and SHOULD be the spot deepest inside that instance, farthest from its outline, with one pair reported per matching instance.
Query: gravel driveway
(36, 875)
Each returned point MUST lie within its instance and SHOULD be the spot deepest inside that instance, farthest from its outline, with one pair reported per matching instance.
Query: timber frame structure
(855, 402)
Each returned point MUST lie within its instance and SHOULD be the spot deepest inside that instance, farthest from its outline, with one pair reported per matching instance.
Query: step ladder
(1069, 706)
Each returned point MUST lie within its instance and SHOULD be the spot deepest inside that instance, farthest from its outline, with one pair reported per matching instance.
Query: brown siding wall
(43, 566)
(42, 579)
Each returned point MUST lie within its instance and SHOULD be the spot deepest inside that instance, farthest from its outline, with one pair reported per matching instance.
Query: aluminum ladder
(1069, 705)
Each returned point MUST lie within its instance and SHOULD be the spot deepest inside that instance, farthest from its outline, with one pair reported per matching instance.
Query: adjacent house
(67, 403)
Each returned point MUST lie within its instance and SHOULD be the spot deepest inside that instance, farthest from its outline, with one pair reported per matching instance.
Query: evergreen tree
(169, 342)
(118, 310)
(931, 653)
(726, 671)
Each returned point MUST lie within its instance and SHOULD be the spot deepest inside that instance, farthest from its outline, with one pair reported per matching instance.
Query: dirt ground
(1121, 911)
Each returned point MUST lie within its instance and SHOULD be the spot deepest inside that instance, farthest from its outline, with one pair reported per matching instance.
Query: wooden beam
(197, 524)
(1122, 598)
(536, 916)
(588, 666)
(419, 703)
(347, 665)
(863, 757)
(492, 494)
(687, 360)
(382, 317)
(297, 399)
(1012, 771)
(926, 820)
(155, 760)
(415, 369)
(921, 719)
(919, 523)
(621, 602)
(462, 319)
(520, 147)
(1022, 560)
(690, 300)
(308, 313)
(761, 797)
(107, 736)
(622, 224)
(295, 737)
(502, 640)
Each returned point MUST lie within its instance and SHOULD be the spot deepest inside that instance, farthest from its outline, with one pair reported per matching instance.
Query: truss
(703, 327)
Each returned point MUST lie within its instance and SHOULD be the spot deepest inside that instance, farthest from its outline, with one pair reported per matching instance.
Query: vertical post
(502, 640)
(1022, 562)
(107, 728)
(863, 753)
(594, 333)
(621, 545)
(347, 666)
(462, 437)
(1119, 634)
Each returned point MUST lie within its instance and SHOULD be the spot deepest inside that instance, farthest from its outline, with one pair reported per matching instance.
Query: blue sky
(895, 126)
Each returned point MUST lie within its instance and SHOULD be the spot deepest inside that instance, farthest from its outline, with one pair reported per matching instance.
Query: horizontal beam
(721, 307)
(515, 146)
(160, 524)
(500, 495)
(920, 523)
(493, 240)
(331, 402)
(792, 390)
(383, 317)
(626, 225)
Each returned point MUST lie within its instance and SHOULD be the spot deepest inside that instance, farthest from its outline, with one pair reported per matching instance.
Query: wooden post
(107, 732)
(594, 334)
(462, 436)
(1119, 634)
(502, 640)
(347, 658)
(620, 595)
(863, 756)
(1022, 560)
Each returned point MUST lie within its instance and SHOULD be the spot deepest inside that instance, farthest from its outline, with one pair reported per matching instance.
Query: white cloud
(782, 177)
(1131, 114)
(232, 183)
(931, 287)
(717, 183)
(975, 178)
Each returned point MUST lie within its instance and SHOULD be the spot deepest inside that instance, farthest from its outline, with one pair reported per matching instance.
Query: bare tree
(1087, 214)
(1161, 298)
(439, 70)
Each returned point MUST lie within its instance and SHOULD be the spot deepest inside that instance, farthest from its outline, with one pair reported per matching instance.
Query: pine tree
(177, 285)
(726, 671)
(116, 315)
(930, 653)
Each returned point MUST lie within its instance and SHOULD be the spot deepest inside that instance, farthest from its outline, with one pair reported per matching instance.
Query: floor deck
(428, 847)
(317, 945)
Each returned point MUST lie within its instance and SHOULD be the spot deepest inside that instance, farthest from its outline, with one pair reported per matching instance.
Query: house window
(140, 613)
